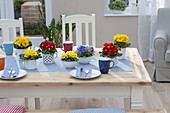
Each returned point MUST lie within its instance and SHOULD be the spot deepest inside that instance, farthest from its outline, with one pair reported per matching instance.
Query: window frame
(127, 12)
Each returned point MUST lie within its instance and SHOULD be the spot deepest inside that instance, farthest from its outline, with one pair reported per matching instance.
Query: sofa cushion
(12, 109)
(167, 54)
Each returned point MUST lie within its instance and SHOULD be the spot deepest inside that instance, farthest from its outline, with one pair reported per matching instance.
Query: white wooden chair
(79, 19)
(8, 25)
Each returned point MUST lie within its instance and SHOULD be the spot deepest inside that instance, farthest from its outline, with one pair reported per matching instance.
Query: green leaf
(117, 5)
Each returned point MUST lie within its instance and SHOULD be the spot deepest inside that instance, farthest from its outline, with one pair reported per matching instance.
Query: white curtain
(6, 8)
(147, 21)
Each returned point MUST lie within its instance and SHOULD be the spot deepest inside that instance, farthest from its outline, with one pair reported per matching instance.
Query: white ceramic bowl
(30, 64)
(84, 60)
(69, 64)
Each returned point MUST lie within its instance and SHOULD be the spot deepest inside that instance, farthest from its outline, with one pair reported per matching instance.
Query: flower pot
(117, 11)
(30, 64)
(69, 64)
(84, 60)
(115, 61)
(123, 52)
(48, 59)
(20, 51)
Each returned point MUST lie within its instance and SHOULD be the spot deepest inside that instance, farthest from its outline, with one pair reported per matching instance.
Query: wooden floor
(155, 97)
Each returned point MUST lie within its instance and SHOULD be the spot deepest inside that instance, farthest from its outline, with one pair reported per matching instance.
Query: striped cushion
(100, 110)
(12, 109)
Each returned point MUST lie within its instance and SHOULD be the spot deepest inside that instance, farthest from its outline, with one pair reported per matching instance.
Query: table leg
(127, 103)
(136, 97)
(37, 103)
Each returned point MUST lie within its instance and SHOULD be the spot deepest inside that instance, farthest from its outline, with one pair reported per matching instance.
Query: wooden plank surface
(139, 76)
(128, 111)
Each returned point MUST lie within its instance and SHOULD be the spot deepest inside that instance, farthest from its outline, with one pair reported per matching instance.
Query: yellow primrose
(22, 41)
(29, 52)
(69, 56)
(26, 56)
(121, 38)
(25, 43)
(64, 56)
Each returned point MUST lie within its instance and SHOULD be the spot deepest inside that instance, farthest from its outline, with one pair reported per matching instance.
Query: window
(131, 9)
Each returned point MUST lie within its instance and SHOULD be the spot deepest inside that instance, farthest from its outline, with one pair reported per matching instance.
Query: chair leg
(154, 74)
(26, 103)
(37, 103)
(127, 103)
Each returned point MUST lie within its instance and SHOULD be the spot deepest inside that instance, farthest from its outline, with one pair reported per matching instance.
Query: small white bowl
(84, 60)
(69, 64)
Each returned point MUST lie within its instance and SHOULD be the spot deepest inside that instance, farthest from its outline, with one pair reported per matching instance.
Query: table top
(138, 77)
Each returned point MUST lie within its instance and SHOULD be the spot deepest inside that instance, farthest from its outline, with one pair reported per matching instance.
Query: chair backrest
(79, 19)
(36, 41)
(163, 22)
(8, 25)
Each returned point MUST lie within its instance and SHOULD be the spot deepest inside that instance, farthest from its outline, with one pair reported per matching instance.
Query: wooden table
(60, 84)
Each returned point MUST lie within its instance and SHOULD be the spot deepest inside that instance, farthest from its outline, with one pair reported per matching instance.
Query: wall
(106, 27)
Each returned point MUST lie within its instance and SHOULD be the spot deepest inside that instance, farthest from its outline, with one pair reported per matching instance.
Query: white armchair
(162, 45)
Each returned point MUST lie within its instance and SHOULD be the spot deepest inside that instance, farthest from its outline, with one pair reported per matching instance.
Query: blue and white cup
(105, 64)
(7, 48)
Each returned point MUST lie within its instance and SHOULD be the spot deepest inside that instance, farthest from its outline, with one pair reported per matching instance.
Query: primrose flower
(85, 51)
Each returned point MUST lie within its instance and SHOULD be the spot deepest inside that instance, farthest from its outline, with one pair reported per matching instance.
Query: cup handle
(55, 55)
(113, 63)
(1, 47)
(61, 47)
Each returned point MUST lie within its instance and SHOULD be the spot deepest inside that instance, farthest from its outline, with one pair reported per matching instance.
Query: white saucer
(21, 73)
(95, 73)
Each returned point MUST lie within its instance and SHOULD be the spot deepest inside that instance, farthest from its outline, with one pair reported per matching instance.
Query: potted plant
(111, 51)
(30, 57)
(48, 49)
(53, 32)
(85, 53)
(117, 6)
(21, 43)
(122, 41)
(69, 59)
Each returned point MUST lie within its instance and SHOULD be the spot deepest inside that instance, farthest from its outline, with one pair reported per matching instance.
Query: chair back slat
(87, 32)
(5, 34)
(14, 32)
(93, 29)
(78, 34)
(21, 27)
(70, 31)
(63, 28)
